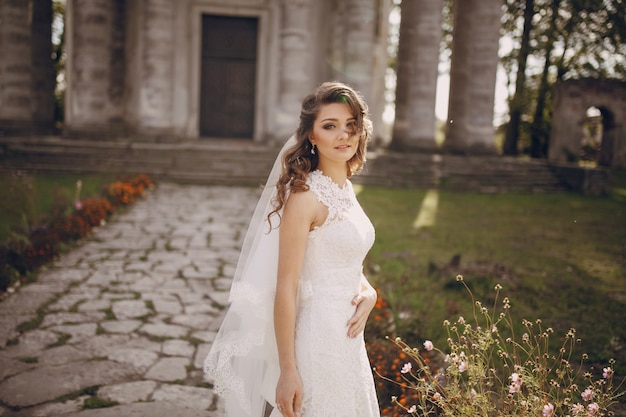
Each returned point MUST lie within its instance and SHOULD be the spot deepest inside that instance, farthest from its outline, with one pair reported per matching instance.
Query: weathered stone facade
(572, 98)
(154, 56)
(136, 68)
(26, 76)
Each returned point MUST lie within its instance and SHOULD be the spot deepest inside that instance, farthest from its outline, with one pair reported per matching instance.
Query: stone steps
(244, 163)
(233, 163)
(469, 173)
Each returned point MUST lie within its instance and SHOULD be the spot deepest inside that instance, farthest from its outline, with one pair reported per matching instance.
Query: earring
(313, 149)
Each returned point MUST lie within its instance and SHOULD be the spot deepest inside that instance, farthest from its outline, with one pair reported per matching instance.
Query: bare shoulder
(302, 201)
(304, 207)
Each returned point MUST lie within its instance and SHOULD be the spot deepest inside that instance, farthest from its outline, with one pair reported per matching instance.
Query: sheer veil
(243, 360)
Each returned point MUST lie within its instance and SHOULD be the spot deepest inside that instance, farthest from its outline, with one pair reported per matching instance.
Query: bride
(292, 339)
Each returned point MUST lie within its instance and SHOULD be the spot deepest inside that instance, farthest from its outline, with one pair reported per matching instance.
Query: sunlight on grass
(428, 211)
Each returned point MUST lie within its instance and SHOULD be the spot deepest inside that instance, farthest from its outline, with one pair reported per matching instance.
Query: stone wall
(572, 98)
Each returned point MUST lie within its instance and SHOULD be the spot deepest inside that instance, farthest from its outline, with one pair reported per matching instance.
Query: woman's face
(334, 133)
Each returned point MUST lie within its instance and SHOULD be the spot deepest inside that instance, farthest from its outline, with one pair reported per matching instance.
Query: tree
(516, 104)
(538, 132)
(567, 39)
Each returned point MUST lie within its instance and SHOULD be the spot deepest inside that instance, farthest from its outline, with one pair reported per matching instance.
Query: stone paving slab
(129, 315)
(43, 384)
(149, 409)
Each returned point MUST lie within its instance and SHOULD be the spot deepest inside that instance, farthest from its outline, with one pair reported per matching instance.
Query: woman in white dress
(293, 335)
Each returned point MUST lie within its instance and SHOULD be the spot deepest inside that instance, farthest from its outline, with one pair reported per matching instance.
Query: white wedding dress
(336, 374)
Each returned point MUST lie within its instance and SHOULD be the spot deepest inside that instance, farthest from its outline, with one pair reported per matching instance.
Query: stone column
(473, 69)
(88, 35)
(358, 54)
(16, 98)
(355, 35)
(95, 35)
(295, 77)
(156, 66)
(416, 87)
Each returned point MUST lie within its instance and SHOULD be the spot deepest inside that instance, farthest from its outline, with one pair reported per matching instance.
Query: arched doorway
(588, 123)
(591, 136)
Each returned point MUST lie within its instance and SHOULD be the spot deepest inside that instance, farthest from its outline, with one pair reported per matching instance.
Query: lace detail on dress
(337, 199)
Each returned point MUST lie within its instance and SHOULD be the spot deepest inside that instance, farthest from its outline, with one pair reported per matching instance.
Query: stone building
(206, 69)
(572, 99)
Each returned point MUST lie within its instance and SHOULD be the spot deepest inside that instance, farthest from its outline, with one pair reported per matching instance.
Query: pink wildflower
(578, 408)
(607, 372)
(463, 366)
(436, 396)
(406, 368)
(412, 409)
(587, 394)
(428, 345)
(516, 383)
(593, 408)
(548, 410)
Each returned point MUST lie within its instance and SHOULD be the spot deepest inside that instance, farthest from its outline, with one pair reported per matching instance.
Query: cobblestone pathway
(129, 315)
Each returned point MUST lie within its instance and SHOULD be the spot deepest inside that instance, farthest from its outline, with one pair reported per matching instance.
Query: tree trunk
(517, 102)
(538, 134)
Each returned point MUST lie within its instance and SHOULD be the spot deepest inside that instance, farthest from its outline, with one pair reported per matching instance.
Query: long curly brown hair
(298, 161)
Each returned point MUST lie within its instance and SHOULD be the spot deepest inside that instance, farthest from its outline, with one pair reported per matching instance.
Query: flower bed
(23, 254)
(489, 370)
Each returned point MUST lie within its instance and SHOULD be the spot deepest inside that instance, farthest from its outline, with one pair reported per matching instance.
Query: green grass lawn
(559, 257)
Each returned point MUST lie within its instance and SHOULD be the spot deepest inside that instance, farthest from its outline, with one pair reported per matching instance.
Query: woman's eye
(328, 127)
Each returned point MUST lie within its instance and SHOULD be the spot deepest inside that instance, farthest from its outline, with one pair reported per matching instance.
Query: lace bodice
(336, 249)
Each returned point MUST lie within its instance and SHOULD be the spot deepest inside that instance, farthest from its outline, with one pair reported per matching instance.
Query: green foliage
(33, 239)
(90, 391)
(568, 39)
(488, 368)
(35, 199)
(95, 402)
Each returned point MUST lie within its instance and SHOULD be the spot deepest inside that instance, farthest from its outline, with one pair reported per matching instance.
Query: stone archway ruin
(572, 98)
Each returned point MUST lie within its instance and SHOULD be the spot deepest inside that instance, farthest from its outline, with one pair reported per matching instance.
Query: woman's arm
(299, 214)
(364, 302)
